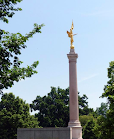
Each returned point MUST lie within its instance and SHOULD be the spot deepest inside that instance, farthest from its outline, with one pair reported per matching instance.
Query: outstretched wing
(69, 34)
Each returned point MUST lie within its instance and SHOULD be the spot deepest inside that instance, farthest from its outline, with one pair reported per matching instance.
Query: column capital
(72, 56)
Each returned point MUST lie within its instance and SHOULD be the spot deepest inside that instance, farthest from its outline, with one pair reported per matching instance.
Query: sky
(94, 44)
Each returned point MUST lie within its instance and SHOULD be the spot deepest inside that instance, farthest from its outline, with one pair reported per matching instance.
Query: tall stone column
(73, 94)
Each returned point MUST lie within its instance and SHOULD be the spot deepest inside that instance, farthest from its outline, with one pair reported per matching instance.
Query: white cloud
(87, 78)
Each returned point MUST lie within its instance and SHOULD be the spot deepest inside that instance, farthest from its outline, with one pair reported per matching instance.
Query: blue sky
(94, 23)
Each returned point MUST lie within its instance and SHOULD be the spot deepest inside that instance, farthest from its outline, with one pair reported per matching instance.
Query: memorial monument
(74, 122)
(74, 129)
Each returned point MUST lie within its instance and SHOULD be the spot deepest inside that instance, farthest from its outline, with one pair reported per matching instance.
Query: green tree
(53, 109)
(83, 105)
(86, 121)
(7, 9)
(85, 118)
(100, 130)
(11, 45)
(88, 131)
(109, 88)
(14, 113)
(102, 110)
(105, 124)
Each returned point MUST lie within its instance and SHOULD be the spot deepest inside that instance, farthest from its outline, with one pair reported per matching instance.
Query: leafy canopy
(105, 123)
(53, 109)
(14, 113)
(11, 45)
(102, 110)
(7, 9)
(88, 131)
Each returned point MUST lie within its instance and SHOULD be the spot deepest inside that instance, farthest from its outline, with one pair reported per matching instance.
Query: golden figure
(70, 34)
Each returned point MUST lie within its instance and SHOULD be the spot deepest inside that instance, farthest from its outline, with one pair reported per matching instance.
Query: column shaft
(74, 110)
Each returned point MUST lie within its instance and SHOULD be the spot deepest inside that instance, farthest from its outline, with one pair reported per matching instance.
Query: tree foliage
(105, 124)
(85, 118)
(11, 45)
(88, 131)
(83, 105)
(102, 110)
(109, 88)
(7, 9)
(53, 109)
(14, 113)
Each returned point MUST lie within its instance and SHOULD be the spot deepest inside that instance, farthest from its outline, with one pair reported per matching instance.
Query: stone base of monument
(76, 129)
(44, 133)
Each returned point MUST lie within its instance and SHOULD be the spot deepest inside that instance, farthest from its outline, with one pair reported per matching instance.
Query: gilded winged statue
(70, 34)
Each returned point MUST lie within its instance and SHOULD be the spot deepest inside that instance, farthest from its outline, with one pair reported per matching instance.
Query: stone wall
(44, 133)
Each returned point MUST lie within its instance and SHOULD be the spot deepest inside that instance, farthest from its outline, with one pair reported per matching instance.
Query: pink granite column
(73, 93)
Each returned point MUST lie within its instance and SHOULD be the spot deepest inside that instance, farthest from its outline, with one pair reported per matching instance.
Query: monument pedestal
(44, 133)
(74, 122)
(76, 130)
